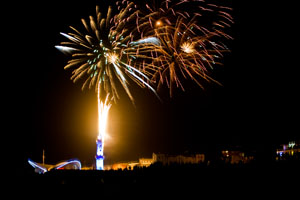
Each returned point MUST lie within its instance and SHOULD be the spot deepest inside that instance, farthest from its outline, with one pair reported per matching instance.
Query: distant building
(121, 166)
(288, 151)
(162, 158)
(87, 167)
(179, 159)
(235, 157)
(132, 165)
(43, 168)
(145, 162)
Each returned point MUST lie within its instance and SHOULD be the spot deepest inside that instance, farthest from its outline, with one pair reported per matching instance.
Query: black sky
(257, 104)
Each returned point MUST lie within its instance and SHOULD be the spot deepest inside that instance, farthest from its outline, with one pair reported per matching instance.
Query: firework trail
(153, 14)
(98, 53)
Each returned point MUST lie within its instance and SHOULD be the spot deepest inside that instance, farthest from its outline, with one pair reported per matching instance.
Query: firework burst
(98, 53)
(189, 38)
(183, 52)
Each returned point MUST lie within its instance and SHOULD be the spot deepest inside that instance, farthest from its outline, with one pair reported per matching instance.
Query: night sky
(257, 106)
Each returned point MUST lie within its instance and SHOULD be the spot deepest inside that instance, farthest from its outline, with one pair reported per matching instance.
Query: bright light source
(187, 47)
(112, 58)
(291, 144)
(158, 23)
(103, 109)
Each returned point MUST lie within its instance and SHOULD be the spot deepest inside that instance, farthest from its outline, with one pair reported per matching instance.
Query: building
(162, 158)
(122, 166)
(132, 165)
(288, 151)
(145, 162)
(179, 159)
(236, 157)
(42, 168)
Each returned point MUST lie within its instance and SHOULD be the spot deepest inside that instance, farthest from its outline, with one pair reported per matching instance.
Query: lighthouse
(99, 154)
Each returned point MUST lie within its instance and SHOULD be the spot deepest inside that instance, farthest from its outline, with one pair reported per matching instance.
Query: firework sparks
(187, 47)
(103, 110)
(183, 52)
(158, 23)
(153, 14)
(190, 34)
(98, 53)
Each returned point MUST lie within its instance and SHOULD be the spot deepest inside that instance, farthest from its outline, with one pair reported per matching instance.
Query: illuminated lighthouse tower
(103, 108)
(99, 154)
